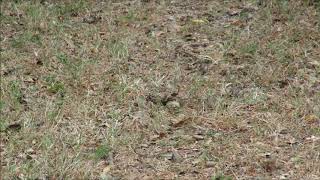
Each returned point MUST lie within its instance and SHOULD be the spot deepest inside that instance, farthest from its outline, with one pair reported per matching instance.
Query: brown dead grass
(160, 90)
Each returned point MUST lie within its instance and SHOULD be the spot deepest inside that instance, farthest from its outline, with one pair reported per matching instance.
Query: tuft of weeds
(72, 67)
(15, 92)
(129, 17)
(221, 177)
(250, 48)
(70, 8)
(54, 86)
(34, 12)
(102, 151)
(23, 40)
(118, 48)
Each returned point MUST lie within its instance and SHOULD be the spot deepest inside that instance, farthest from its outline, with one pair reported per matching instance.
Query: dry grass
(159, 89)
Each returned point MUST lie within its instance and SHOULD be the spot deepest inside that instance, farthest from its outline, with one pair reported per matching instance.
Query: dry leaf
(181, 121)
(234, 12)
(106, 173)
(29, 79)
(311, 119)
(91, 19)
(210, 164)
(187, 138)
(313, 139)
(198, 21)
(269, 165)
(14, 126)
(94, 50)
(106, 169)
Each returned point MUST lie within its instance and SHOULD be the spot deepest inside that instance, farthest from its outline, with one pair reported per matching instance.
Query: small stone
(198, 137)
(30, 151)
(173, 105)
(268, 155)
(168, 156)
(43, 26)
(284, 176)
